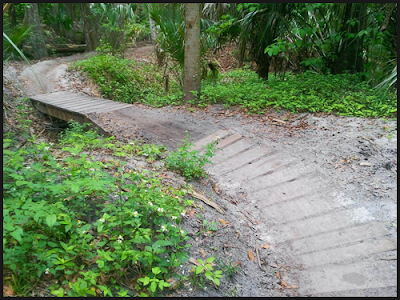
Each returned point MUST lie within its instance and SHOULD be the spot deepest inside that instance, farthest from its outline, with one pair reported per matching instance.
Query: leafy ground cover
(129, 81)
(343, 94)
(76, 226)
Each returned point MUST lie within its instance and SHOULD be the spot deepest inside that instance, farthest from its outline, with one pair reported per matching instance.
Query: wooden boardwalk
(76, 106)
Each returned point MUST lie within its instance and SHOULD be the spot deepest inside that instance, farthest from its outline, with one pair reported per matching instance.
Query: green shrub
(190, 163)
(128, 81)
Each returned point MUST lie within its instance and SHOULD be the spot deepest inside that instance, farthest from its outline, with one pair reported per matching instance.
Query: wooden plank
(55, 96)
(59, 98)
(229, 140)
(82, 105)
(108, 110)
(209, 139)
(87, 108)
(67, 100)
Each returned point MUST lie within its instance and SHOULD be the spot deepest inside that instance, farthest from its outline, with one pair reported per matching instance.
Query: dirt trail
(321, 191)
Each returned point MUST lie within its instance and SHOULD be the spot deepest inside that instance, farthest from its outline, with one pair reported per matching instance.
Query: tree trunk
(36, 38)
(191, 81)
(116, 37)
(13, 15)
(89, 27)
(152, 30)
(70, 11)
(263, 63)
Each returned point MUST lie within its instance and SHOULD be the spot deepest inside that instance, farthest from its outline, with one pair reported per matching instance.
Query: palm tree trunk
(191, 80)
(36, 38)
(89, 27)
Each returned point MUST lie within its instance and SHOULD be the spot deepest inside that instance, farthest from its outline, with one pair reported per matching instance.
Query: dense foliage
(128, 81)
(343, 94)
(82, 226)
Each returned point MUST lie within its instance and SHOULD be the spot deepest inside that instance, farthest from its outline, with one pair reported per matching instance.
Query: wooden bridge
(76, 106)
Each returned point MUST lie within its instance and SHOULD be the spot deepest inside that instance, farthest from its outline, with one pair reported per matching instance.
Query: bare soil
(359, 153)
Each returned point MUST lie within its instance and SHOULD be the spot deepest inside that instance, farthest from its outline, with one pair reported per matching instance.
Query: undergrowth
(343, 94)
(189, 163)
(128, 81)
(74, 225)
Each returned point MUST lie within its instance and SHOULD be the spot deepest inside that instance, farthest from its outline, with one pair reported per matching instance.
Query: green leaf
(59, 292)
(156, 270)
(68, 227)
(16, 234)
(145, 280)
(161, 284)
(52, 244)
(51, 220)
(199, 269)
(153, 286)
(208, 275)
(216, 281)
(100, 263)
(64, 245)
(161, 243)
(210, 259)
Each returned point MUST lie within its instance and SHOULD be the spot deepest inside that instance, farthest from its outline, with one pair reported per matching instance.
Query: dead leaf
(266, 246)
(170, 279)
(251, 256)
(283, 283)
(294, 286)
(8, 290)
(223, 221)
(239, 263)
(277, 274)
(280, 121)
(126, 190)
(215, 188)
(203, 253)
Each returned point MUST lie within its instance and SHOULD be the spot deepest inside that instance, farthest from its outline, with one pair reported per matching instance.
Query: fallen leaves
(223, 221)
(251, 256)
(8, 290)
(266, 246)
(195, 262)
(203, 253)
(215, 188)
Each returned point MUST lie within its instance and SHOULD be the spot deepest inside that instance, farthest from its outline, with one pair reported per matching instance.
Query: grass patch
(343, 94)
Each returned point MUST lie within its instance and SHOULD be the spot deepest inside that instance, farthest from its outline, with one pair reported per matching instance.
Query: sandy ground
(358, 153)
